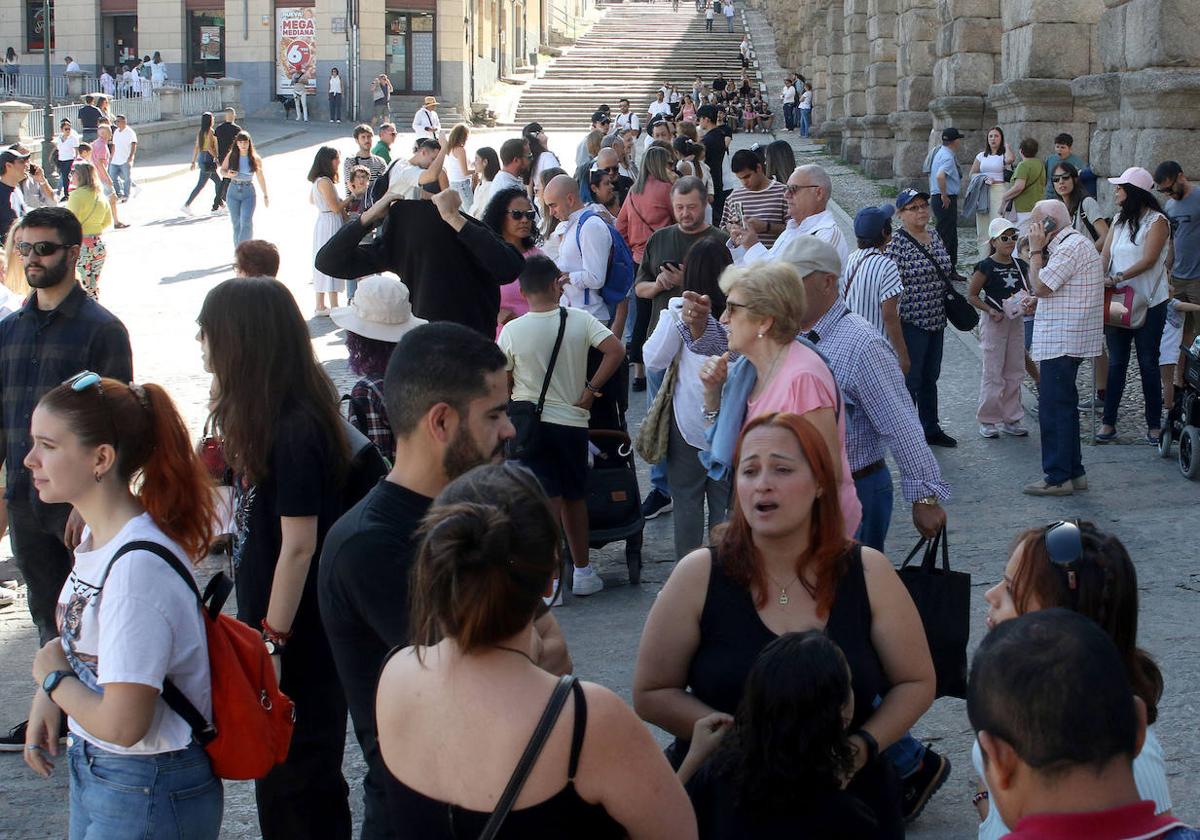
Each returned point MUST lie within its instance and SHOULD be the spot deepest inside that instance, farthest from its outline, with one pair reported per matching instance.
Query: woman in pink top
(511, 215)
(764, 308)
(648, 207)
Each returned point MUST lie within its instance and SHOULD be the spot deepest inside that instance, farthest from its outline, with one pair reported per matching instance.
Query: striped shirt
(373, 162)
(869, 278)
(767, 205)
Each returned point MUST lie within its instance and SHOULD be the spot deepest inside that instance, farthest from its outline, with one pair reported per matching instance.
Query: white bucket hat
(380, 309)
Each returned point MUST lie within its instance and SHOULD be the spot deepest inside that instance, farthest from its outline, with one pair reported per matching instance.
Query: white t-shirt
(806, 100)
(627, 121)
(789, 95)
(335, 84)
(407, 175)
(146, 626)
(527, 343)
(66, 145)
(123, 140)
(546, 160)
(657, 108)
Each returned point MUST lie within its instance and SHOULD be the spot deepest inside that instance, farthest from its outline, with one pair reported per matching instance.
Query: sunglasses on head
(1064, 547)
(42, 249)
(517, 215)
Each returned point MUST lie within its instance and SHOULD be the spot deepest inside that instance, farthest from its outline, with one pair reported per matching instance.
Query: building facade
(455, 50)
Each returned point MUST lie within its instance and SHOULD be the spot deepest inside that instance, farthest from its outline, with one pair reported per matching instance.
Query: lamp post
(48, 117)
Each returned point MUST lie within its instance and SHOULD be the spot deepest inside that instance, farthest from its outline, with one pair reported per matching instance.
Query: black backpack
(366, 466)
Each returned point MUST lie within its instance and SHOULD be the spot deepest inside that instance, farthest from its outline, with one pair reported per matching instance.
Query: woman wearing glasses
(128, 623)
(511, 215)
(1076, 566)
(996, 289)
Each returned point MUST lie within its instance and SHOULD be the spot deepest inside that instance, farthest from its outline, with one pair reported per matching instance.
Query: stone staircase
(630, 52)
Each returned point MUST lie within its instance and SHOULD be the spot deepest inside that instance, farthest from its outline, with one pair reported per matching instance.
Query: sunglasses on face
(42, 249)
(1058, 179)
(611, 170)
(517, 215)
(1007, 237)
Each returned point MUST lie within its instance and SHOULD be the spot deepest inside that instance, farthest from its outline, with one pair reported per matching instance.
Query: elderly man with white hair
(808, 192)
(1067, 279)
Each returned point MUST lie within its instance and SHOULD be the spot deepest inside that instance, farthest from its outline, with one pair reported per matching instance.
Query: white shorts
(1168, 349)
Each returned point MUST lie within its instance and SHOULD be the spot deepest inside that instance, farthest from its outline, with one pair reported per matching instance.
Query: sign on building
(296, 50)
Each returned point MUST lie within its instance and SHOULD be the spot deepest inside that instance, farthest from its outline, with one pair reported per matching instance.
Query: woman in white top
(539, 152)
(330, 217)
(805, 106)
(690, 483)
(457, 169)
(335, 95)
(992, 161)
(66, 145)
(1078, 567)
(486, 167)
(1135, 256)
(128, 621)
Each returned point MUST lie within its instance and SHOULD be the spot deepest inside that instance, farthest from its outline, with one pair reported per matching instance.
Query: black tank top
(732, 635)
(565, 814)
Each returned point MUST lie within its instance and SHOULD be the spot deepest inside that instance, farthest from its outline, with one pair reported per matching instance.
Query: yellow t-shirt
(91, 208)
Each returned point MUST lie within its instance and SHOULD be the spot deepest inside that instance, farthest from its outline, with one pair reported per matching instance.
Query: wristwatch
(275, 647)
(928, 500)
(53, 679)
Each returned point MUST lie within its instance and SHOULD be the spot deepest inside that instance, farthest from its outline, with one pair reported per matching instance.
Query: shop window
(411, 60)
(206, 45)
(35, 26)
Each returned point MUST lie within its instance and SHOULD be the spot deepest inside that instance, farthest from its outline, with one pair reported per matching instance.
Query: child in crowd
(1169, 348)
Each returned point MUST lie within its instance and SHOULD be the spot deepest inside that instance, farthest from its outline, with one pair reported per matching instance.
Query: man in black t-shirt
(716, 146)
(446, 393)
(89, 118)
(226, 133)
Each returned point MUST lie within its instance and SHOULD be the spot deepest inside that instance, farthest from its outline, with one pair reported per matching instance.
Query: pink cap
(1136, 176)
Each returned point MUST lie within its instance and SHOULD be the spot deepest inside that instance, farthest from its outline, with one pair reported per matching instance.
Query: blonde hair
(593, 140)
(14, 273)
(458, 136)
(85, 175)
(770, 290)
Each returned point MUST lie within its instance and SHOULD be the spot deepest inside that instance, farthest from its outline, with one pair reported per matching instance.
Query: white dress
(328, 223)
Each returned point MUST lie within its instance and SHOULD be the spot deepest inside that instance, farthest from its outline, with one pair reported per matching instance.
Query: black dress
(565, 814)
(732, 635)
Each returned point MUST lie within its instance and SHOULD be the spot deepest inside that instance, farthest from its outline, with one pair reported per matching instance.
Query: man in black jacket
(453, 265)
(226, 133)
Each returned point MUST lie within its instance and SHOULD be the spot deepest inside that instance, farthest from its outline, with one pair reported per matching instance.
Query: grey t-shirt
(1185, 222)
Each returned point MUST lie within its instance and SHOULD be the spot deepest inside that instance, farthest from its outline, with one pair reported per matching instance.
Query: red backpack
(252, 721)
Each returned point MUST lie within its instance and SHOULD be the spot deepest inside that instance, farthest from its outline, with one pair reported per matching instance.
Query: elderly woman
(764, 308)
(923, 261)
(784, 564)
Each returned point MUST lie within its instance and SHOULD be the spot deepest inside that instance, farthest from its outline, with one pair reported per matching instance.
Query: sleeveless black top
(565, 814)
(732, 635)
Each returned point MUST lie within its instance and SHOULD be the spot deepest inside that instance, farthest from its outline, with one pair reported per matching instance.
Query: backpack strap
(587, 214)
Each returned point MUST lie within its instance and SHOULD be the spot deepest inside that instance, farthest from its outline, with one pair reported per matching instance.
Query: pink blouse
(510, 294)
(802, 384)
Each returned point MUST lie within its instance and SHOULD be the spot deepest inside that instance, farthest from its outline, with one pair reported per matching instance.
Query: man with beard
(55, 334)
(446, 392)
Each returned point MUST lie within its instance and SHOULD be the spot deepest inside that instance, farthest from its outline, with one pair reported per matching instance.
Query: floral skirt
(92, 254)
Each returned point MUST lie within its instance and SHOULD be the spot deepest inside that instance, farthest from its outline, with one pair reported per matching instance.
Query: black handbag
(526, 416)
(959, 312)
(943, 598)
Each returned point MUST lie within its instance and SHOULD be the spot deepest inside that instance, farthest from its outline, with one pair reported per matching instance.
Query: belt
(869, 469)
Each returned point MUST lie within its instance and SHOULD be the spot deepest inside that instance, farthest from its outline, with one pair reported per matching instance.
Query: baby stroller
(1183, 418)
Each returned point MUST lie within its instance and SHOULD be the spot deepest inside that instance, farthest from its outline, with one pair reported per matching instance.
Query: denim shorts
(169, 795)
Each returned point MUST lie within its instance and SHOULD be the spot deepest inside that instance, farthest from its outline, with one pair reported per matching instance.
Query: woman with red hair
(783, 564)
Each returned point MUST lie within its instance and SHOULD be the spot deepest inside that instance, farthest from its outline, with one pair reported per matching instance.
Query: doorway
(124, 39)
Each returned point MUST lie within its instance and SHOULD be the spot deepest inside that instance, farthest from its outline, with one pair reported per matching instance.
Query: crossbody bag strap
(925, 251)
(532, 750)
(562, 328)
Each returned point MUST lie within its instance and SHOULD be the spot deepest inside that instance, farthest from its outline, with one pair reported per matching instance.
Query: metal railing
(33, 86)
(196, 99)
(138, 110)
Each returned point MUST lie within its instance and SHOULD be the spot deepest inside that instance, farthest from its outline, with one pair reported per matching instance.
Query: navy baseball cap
(909, 195)
(869, 221)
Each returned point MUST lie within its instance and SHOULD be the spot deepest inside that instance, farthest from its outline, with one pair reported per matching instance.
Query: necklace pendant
(783, 598)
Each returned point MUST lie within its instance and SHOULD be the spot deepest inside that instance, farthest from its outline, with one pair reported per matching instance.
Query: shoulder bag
(959, 312)
(526, 416)
(528, 758)
(654, 434)
(943, 600)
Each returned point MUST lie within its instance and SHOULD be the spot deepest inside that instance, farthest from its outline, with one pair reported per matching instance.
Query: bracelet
(271, 634)
(981, 796)
(590, 387)
(868, 739)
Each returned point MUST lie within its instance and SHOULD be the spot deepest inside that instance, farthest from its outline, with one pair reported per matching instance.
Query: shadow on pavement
(196, 274)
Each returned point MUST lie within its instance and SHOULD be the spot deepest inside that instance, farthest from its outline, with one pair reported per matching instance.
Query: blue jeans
(805, 120)
(208, 172)
(789, 115)
(240, 200)
(729, 22)
(169, 796)
(875, 495)
(335, 107)
(1058, 419)
(925, 357)
(1146, 339)
(658, 472)
(122, 178)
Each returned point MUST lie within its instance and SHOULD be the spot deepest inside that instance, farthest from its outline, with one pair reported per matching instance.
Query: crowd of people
(500, 308)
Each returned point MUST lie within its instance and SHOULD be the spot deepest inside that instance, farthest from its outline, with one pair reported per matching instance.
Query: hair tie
(140, 393)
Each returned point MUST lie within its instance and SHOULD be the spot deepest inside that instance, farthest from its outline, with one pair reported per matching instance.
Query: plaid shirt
(1070, 322)
(368, 414)
(879, 409)
(38, 351)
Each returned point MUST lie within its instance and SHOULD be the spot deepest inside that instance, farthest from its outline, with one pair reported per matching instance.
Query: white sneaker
(321, 313)
(1014, 429)
(988, 430)
(7, 596)
(586, 582)
(137, 190)
(187, 211)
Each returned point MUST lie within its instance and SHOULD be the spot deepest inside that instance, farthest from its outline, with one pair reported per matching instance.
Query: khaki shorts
(1188, 291)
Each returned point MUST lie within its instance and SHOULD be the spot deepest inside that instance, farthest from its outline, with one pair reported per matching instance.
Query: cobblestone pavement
(160, 269)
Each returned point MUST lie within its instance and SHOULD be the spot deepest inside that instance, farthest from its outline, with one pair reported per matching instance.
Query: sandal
(1105, 437)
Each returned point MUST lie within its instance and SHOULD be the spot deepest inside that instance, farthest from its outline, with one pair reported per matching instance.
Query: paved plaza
(159, 270)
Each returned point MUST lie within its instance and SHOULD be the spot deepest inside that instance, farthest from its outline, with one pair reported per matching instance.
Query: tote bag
(943, 599)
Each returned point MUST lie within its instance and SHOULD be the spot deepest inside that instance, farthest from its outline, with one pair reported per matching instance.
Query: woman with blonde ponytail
(128, 620)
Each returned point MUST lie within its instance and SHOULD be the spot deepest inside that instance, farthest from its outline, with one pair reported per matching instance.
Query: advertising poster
(296, 49)
(210, 43)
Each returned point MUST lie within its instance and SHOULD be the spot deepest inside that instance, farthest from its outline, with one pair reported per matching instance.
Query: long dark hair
(497, 211)
(780, 161)
(530, 133)
(491, 162)
(323, 166)
(151, 441)
(235, 154)
(1106, 592)
(702, 269)
(788, 737)
(1074, 200)
(489, 549)
(1137, 202)
(206, 121)
(987, 147)
(261, 354)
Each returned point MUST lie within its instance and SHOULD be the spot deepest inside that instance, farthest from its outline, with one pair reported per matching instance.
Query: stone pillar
(855, 46)
(968, 64)
(14, 119)
(878, 145)
(170, 102)
(835, 91)
(75, 82)
(818, 74)
(916, 28)
(231, 94)
(1146, 100)
(1044, 47)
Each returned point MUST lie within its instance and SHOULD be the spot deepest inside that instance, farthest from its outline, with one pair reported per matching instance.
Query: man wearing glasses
(1183, 209)
(58, 331)
(808, 191)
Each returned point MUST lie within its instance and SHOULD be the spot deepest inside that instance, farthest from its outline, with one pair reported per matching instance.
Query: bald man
(609, 161)
(583, 251)
(808, 192)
